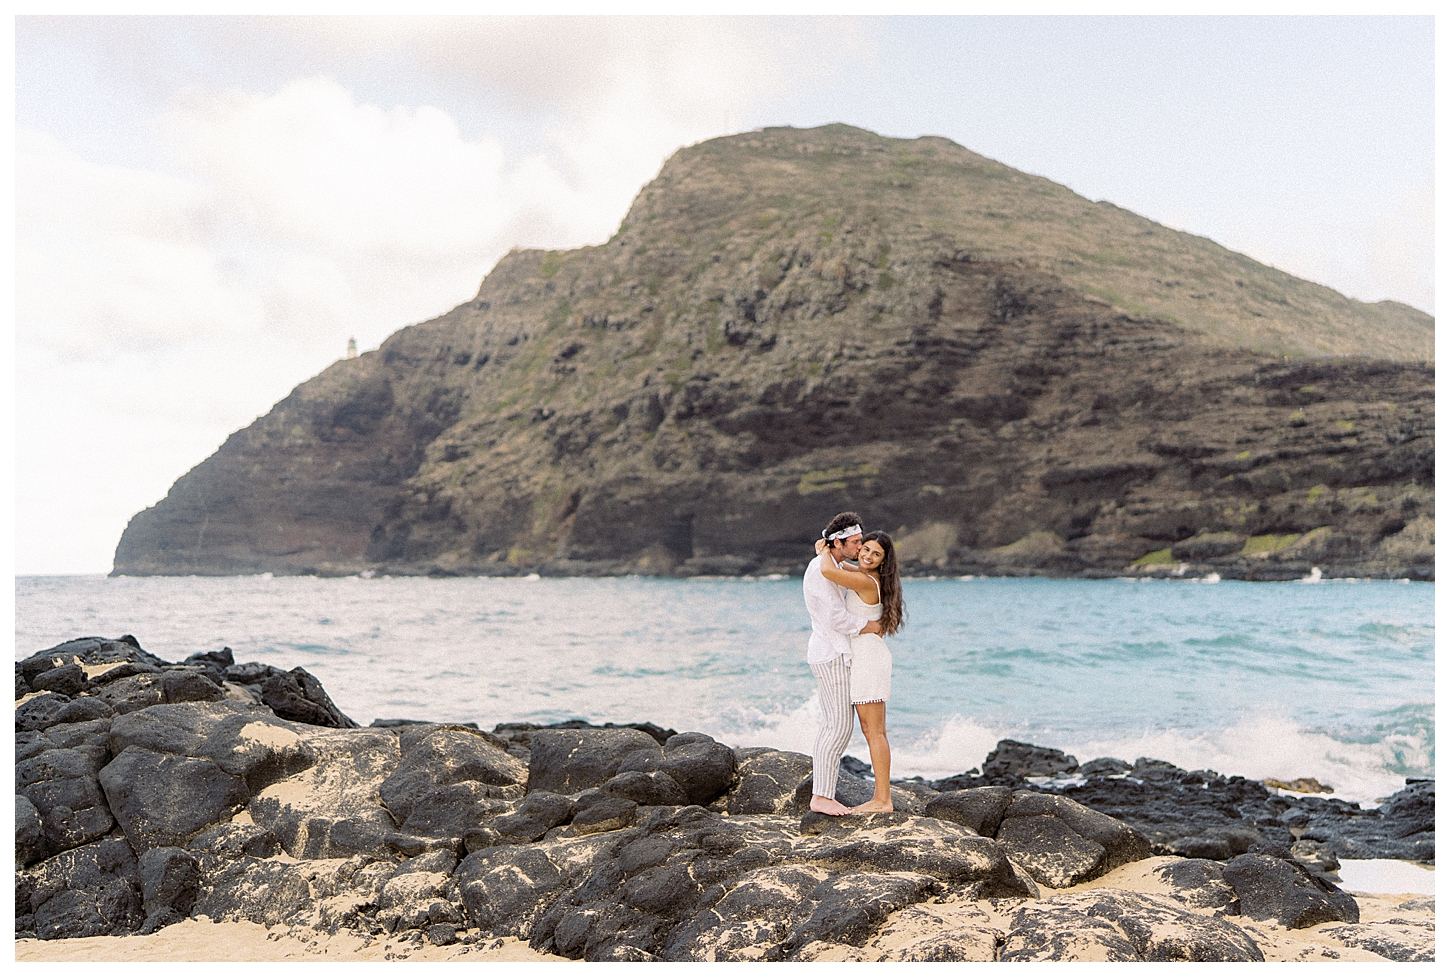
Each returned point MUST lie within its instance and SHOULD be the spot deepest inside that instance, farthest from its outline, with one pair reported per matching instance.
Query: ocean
(1325, 679)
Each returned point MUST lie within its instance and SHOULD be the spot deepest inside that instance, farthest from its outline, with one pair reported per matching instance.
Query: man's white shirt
(831, 624)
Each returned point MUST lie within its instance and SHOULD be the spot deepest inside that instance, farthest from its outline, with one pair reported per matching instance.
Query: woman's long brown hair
(893, 611)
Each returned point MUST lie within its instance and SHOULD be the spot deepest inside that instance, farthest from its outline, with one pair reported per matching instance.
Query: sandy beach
(201, 940)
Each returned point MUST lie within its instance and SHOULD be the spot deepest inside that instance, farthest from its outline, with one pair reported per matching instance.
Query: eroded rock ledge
(147, 792)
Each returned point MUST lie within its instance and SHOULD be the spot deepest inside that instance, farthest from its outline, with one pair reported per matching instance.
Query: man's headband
(842, 534)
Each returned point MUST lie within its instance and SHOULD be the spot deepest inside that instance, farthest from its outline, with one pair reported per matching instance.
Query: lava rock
(233, 840)
(850, 907)
(133, 692)
(703, 768)
(162, 800)
(503, 888)
(245, 741)
(86, 708)
(1061, 842)
(1111, 924)
(29, 833)
(332, 809)
(40, 712)
(958, 932)
(443, 757)
(1216, 841)
(1104, 767)
(534, 816)
(1403, 827)
(646, 788)
(1281, 890)
(298, 696)
(980, 809)
(451, 811)
(1316, 856)
(1050, 851)
(755, 916)
(610, 814)
(92, 890)
(163, 917)
(1401, 940)
(442, 934)
(99, 675)
(179, 685)
(88, 738)
(566, 761)
(69, 680)
(66, 792)
(221, 659)
(93, 653)
(1199, 884)
(944, 851)
(1015, 759)
(1218, 818)
(170, 878)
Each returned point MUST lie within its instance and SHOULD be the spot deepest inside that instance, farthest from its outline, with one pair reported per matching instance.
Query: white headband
(848, 531)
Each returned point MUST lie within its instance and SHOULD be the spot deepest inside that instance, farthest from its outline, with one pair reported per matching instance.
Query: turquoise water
(1333, 680)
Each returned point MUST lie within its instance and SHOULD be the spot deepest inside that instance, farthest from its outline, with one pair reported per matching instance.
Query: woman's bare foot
(873, 806)
(828, 805)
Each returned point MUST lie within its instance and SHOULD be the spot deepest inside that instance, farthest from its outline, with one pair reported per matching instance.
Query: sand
(1386, 875)
(204, 941)
(1376, 909)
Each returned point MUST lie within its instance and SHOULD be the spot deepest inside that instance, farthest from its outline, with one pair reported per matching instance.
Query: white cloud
(164, 305)
(311, 167)
(109, 260)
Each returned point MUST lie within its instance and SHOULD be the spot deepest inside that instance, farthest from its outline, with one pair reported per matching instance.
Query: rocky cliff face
(789, 323)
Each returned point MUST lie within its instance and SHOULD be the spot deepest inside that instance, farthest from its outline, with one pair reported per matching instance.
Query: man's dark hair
(840, 522)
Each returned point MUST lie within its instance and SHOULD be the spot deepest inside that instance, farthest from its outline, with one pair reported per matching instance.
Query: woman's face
(871, 555)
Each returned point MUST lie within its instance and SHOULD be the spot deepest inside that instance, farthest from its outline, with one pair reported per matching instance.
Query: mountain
(1011, 378)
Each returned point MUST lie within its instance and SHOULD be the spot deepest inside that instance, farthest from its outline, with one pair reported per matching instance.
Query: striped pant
(833, 684)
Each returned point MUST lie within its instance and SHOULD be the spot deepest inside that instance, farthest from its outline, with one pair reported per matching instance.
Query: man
(829, 655)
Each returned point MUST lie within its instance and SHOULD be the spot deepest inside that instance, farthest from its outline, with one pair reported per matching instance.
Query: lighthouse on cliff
(352, 349)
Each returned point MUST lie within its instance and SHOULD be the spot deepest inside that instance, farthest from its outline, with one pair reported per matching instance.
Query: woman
(874, 592)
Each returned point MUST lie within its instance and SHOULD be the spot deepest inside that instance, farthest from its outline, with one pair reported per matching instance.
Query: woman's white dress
(870, 658)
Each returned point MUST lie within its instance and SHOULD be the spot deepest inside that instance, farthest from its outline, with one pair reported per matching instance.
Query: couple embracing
(851, 607)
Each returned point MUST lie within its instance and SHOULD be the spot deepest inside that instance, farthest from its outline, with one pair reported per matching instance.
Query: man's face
(850, 546)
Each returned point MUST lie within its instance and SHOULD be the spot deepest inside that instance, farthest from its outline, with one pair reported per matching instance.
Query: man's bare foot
(873, 807)
(828, 805)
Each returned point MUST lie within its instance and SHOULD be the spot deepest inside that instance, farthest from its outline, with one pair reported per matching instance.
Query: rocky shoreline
(148, 793)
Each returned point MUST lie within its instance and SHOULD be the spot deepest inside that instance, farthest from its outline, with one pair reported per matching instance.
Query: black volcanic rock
(66, 795)
(163, 800)
(170, 878)
(29, 832)
(93, 890)
(789, 323)
(444, 757)
(533, 817)
(979, 808)
(1012, 758)
(703, 768)
(67, 680)
(1122, 926)
(1061, 842)
(228, 811)
(766, 781)
(568, 760)
(1280, 890)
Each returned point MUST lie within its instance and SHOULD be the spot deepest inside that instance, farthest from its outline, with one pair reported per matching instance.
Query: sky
(207, 209)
